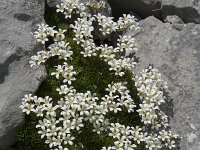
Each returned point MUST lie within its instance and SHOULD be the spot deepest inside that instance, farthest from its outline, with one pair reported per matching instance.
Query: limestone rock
(53, 3)
(17, 20)
(142, 8)
(174, 20)
(187, 10)
(176, 53)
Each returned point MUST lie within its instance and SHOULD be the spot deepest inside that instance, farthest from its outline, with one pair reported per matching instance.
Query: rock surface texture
(175, 50)
(17, 20)
(187, 10)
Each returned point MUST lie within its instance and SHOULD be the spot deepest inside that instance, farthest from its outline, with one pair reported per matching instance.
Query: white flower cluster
(107, 25)
(59, 48)
(69, 7)
(66, 71)
(150, 87)
(127, 22)
(96, 6)
(58, 122)
(83, 35)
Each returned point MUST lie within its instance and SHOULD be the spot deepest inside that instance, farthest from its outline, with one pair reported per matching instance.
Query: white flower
(64, 89)
(27, 108)
(41, 57)
(78, 122)
(107, 25)
(129, 145)
(127, 43)
(60, 35)
(51, 31)
(51, 141)
(59, 71)
(68, 139)
(96, 5)
(43, 132)
(97, 128)
(61, 7)
(41, 33)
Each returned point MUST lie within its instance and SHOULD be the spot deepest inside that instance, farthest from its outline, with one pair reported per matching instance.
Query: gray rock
(176, 53)
(17, 20)
(53, 3)
(142, 8)
(187, 10)
(174, 20)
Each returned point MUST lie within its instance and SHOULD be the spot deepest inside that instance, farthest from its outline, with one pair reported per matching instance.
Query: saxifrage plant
(61, 121)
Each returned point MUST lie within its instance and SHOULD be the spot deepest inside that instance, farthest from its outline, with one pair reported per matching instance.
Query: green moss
(28, 138)
(93, 75)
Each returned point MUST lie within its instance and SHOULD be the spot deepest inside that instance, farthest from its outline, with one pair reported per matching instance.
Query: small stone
(191, 137)
(174, 20)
